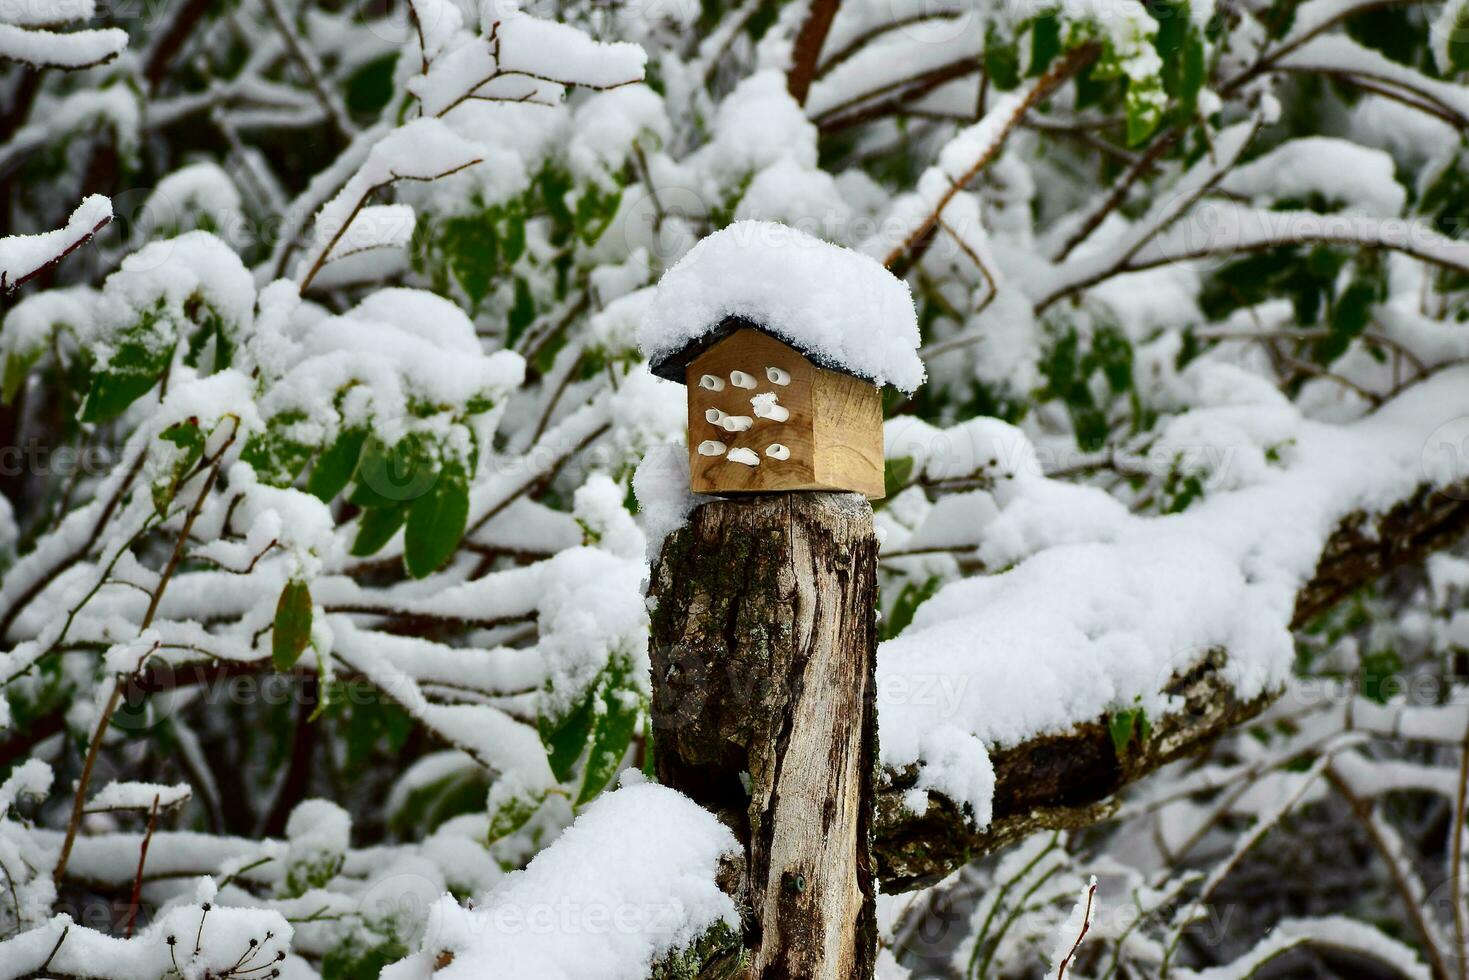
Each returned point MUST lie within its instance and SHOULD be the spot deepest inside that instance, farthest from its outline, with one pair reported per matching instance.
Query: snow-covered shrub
(323, 408)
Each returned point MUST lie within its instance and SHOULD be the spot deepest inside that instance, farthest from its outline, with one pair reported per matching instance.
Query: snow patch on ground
(631, 881)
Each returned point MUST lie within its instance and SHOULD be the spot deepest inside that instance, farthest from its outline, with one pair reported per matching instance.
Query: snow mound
(630, 882)
(842, 308)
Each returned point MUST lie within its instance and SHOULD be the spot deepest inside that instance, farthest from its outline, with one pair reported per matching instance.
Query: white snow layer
(840, 307)
(1101, 608)
(139, 796)
(631, 881)
(661, 485)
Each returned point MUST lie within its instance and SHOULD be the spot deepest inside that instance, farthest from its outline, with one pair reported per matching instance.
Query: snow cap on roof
(839, 308)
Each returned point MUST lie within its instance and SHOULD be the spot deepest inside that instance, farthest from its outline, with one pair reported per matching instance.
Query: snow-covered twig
(311, 67)
(23, 257)
(1263, 823)
(1404, 876)
(142, 864)
(969, 152)
(1082, 911)
(70, 52)
(99, 730)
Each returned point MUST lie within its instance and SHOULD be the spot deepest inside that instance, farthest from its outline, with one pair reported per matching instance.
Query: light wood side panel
(848, 433)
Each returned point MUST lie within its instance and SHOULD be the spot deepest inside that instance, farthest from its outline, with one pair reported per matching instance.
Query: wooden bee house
(763, 416)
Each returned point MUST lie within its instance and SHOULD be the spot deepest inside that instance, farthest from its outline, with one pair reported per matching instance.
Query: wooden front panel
(752, 352)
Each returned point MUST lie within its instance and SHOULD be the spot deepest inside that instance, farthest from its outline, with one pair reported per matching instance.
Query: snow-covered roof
(838, 307)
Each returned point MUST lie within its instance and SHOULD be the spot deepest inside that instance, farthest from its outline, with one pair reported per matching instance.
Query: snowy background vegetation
(323, 538)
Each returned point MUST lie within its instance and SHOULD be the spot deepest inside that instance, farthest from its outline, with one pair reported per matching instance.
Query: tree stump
(764, 645)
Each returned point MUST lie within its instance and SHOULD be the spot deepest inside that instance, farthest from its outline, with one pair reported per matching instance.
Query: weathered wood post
(764, 647)
(764, 632)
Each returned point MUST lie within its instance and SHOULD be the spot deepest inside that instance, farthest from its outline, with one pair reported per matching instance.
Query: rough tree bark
(764, 644)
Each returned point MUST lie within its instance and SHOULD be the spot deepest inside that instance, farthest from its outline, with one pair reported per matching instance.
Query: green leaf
(133, 369)
(292, 631)
(436, 522)
(1350, 315)
(350, 961)
(512, 236)
(612, 731)
(1001, 60)
(1398, 34)
(391, 475)
(472, 249)
(522, 312)
(1090, 423)
(422, 809)
(1121, 725)
(555, 184)
(1379, 671)
(187, 437)
(276, 457)
(895, 474)
(111, 392)
(1458, 40)
(371, 86)
(1094, 86)
(213, 327)
(1143, 113)
(372, 725)
(17, 366)
(1173, 27)
(376, 528)
(1112, 352)
(566, 737)
(594, 211)
(1180, 490)
(1193, 69)
(335, 467)
(1045, 43)
(913, 595)
(1062, 363)
(512, 813)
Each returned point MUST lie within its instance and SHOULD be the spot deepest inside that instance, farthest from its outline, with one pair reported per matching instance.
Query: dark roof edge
(671, 366)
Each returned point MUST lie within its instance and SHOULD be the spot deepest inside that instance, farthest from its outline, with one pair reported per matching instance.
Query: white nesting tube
(777, 451)
(712, 382)
(715, 416)
(777, 376)
(736, 423)
(711, 447)
(743, 455)
(741, 380)
(766, 407)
